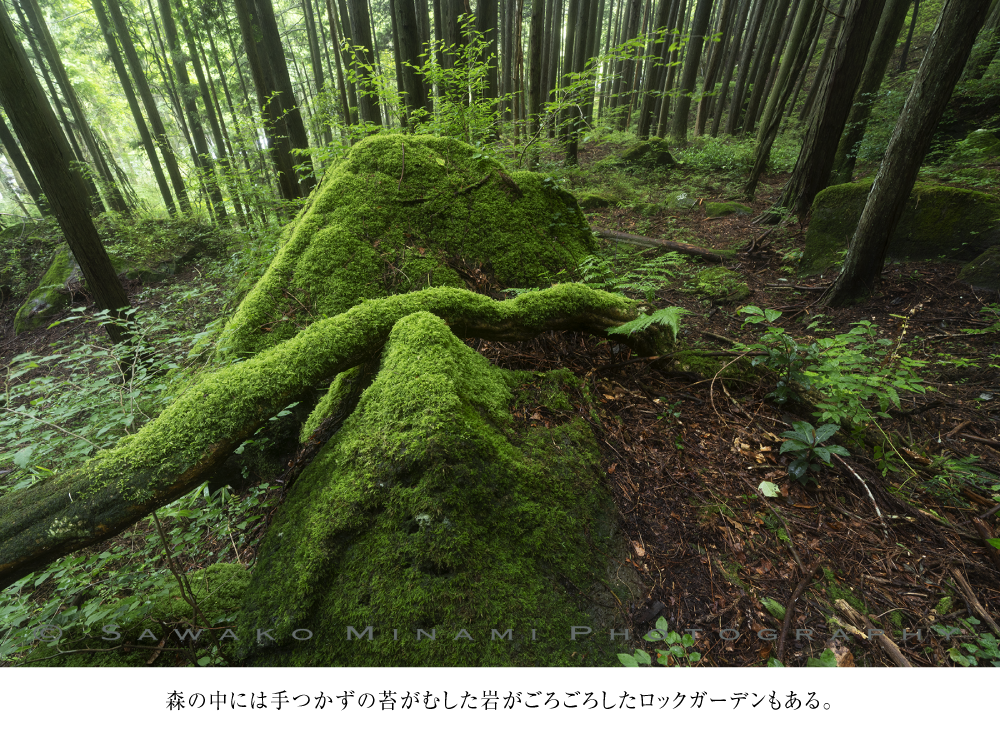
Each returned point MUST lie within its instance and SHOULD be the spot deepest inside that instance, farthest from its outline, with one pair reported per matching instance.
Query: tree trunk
(824, 60)
(653, 78)
(986, 49)
(486, 25)
(875, 68)
(714, 64)
(157, 465)
(909, 38)
(762, 66)
(702, 14)
(409, 56)
(809, 12)
(812, 169)
(535, 70)
(133, 105)
(361, 38)
(45, 146)
(297, 136)
(202, 158)
(746, 55)
(21, 168)
(152, 111)
(942, 65)
(732, 54)
(575, 121)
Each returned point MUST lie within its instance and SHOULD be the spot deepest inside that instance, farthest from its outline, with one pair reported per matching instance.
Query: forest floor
(685, 454)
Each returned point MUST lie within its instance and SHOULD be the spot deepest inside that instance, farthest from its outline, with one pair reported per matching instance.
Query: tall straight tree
(905, 54)
(409, 56)
(729, 65)
(133, 104)
(269, 104)
(699, 25)
(22, 170)
(48, 47)
(762, 63)
(809, 12)
(659, 41)
(871, 79)
(746, 57)
(812, 168)
(152, 111)
(824, 60)
(46, 147)
(715, 62)
(202, 158)
(986, 48)
(940, 69)
(283, 88)
(369, 109)
(575, 120)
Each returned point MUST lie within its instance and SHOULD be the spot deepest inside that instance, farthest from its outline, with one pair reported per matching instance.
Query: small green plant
(826, 660)
(669, 317)
(846, 373)
(984, 647)
(678, 652)
(804, 444)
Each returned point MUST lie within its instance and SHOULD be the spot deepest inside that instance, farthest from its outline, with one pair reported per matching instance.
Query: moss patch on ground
(403, 213)
(428, 521)
(721, 285)
(939, 222)
(725, 208)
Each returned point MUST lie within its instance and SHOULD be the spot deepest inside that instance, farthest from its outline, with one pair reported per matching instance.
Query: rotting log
(195, 434)
(667, 245)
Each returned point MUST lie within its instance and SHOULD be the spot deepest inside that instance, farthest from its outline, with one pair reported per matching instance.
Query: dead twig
(890, 647)
(790, 608)
(972, 602)
(885, 528)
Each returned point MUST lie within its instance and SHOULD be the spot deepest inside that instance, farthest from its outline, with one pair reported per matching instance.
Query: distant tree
(939, 71)
(702, 16)
(46, 148)
(834, 101)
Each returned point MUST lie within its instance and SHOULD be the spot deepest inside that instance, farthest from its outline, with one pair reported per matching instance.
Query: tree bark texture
(939, 71)
(46, 148)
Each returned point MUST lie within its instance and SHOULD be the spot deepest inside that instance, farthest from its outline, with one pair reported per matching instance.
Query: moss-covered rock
(402, 213)
(681, 200)
(984, 143)
(428, 521)
(594, 201)
(55, 291)
(983, 272)
(652, 153)
(938, 222)
(649, 210)
(721, 285)
(725, 208)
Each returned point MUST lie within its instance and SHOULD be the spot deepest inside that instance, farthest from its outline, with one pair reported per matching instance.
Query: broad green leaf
(769, 489)
(627, 660)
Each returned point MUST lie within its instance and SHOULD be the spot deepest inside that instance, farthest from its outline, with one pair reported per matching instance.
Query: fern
(670, 317)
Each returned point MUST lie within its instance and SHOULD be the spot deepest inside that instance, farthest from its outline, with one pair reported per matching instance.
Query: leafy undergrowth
(724, 459)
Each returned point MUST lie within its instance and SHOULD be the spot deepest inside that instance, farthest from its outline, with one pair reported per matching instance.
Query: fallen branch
(669, 246)
(790, 608)
(972, 602)
(890, 647)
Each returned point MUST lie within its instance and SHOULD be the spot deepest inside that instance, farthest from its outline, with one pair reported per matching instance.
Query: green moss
(652, 153)
(836, 591)
(721, 285)
(218, 590)
(397, 213)
(984, 271)
(724, 208)
(428, 511)
(938, 222)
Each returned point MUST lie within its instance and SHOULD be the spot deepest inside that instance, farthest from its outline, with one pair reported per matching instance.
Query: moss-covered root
(197, 432)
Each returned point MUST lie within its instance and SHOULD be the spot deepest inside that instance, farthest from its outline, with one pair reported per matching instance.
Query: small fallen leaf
(769, 489)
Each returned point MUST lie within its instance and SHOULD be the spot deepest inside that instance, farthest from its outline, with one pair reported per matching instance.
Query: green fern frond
(670, 317)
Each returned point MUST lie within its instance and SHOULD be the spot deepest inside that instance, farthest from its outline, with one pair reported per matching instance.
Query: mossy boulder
(403, 213)
(983, 143)
(594, 201)
(725, 208)
(984, 272)
(938, 223)
(55, 291)
(649, 210)
(721, 285)
(681, 200)
(652, 153)
(430, 519)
